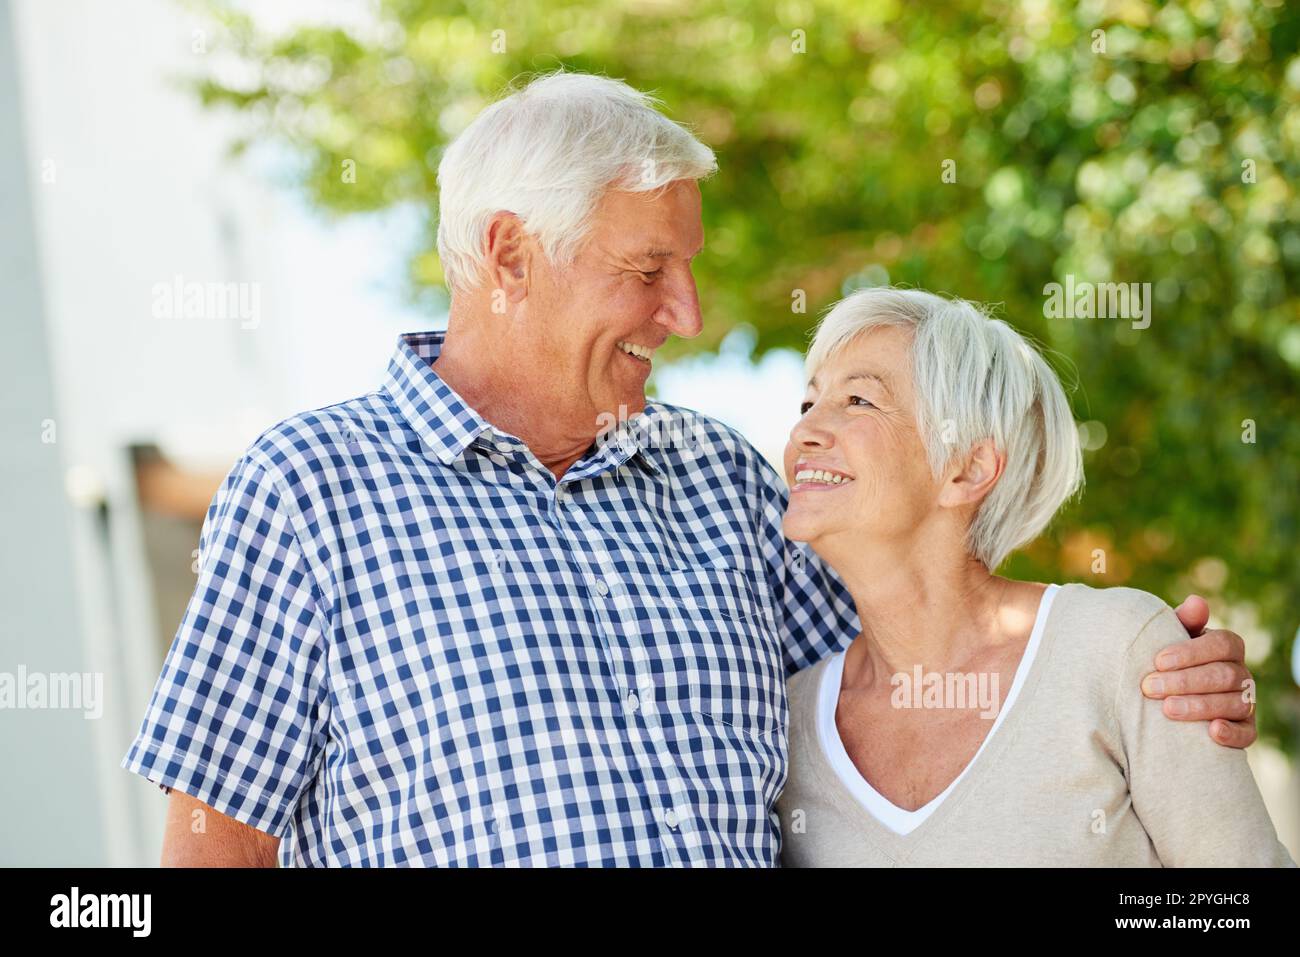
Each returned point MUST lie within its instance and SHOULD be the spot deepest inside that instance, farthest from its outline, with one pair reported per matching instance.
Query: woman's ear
(975, 478)
(507, 261)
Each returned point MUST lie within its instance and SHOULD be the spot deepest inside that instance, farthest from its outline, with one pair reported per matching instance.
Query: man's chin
(630, 404)
(619, 410)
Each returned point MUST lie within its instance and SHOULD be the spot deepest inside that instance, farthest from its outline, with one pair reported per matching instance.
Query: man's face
(595, 325)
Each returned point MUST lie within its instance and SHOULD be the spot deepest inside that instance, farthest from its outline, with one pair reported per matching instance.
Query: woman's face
(855, 462)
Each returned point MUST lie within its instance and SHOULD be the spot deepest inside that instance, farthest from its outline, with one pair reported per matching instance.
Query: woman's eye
(858, 400)
(804, 407)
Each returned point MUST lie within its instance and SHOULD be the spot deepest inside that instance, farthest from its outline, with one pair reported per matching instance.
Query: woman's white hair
(975, 378)
(546, 153)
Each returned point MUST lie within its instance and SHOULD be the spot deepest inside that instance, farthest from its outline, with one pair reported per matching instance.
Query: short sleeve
(1196, 799)
(815, 612)
(238, 717)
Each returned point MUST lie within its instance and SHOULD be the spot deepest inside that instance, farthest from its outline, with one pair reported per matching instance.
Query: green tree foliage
(984, 149)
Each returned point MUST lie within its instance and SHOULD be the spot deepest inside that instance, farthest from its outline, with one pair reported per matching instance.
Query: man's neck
(497, 392)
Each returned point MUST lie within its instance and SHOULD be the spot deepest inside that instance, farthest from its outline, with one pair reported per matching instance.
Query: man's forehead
(665, 205)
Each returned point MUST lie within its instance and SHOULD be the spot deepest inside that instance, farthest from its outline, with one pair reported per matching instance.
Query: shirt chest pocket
(712, 646)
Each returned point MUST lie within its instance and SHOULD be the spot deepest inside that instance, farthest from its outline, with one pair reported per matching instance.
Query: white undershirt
(895, 818)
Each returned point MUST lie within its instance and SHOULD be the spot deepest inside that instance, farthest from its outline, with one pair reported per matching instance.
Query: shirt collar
(448, 425)
(443, 420)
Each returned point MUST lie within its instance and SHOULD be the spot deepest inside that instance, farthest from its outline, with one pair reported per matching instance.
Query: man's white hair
(546, 153)
(975, 378)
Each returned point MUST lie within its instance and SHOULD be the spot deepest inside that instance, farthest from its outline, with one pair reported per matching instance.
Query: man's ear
(970, 481)
(508, 261)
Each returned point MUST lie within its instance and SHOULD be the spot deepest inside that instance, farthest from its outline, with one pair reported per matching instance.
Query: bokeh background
(983, 149)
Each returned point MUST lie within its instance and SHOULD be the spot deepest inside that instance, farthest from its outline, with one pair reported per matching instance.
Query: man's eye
(649, 276)
(804, 407)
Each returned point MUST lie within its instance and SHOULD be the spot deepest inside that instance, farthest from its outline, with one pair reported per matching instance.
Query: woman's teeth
(640, 352)
(821, 477)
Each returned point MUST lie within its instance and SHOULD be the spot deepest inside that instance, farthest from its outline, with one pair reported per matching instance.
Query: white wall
(127, 183)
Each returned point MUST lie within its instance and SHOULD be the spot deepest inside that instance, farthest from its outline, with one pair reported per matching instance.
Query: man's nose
(680, 311)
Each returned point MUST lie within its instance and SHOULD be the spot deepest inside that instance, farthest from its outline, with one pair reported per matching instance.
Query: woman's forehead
(880, 353)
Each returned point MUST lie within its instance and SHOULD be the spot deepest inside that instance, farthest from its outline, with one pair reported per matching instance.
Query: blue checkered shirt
(410, 645)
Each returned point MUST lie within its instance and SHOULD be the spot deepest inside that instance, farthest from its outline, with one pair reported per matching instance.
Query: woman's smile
(812, 477)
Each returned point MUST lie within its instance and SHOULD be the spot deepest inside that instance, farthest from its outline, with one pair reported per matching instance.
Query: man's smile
(643, 353)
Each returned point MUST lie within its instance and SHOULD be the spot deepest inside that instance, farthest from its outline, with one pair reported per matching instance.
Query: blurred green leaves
(1112, 141)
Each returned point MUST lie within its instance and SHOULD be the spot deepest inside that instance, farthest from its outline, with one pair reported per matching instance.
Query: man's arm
(1206, 679)
(1198, 802)
(1202, 680)
(199, 836)
(237, 723)
(815, 612)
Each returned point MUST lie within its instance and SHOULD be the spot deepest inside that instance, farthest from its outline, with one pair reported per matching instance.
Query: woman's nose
(810, 432)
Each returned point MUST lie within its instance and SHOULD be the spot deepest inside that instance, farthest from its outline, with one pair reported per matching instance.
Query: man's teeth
(817, 475)
(632, 349)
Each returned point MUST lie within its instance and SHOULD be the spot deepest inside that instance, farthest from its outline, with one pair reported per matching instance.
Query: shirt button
(670, 818)
(601, 588)
(633, 702)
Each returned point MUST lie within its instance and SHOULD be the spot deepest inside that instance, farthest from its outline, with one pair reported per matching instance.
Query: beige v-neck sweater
(1084, 771)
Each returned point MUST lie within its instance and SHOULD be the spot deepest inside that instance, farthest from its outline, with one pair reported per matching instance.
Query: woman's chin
(797, 530)
(818, 528)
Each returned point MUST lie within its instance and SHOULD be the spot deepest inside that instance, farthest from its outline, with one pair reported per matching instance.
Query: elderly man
(502, 610)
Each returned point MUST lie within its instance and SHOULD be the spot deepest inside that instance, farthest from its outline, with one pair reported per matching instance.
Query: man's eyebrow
(661, 252)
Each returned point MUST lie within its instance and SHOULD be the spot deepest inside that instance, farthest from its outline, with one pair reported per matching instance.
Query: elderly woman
(977, 720)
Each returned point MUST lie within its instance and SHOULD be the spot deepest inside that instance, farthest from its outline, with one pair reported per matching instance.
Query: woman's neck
(945, 615)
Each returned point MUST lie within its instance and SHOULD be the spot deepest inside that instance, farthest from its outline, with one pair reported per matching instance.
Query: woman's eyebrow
(853, 376)
(874, 376)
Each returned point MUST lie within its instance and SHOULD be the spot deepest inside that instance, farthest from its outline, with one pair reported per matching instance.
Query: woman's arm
(1198, 801)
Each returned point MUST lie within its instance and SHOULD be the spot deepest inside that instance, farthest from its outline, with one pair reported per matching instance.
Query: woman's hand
(1206, 679)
